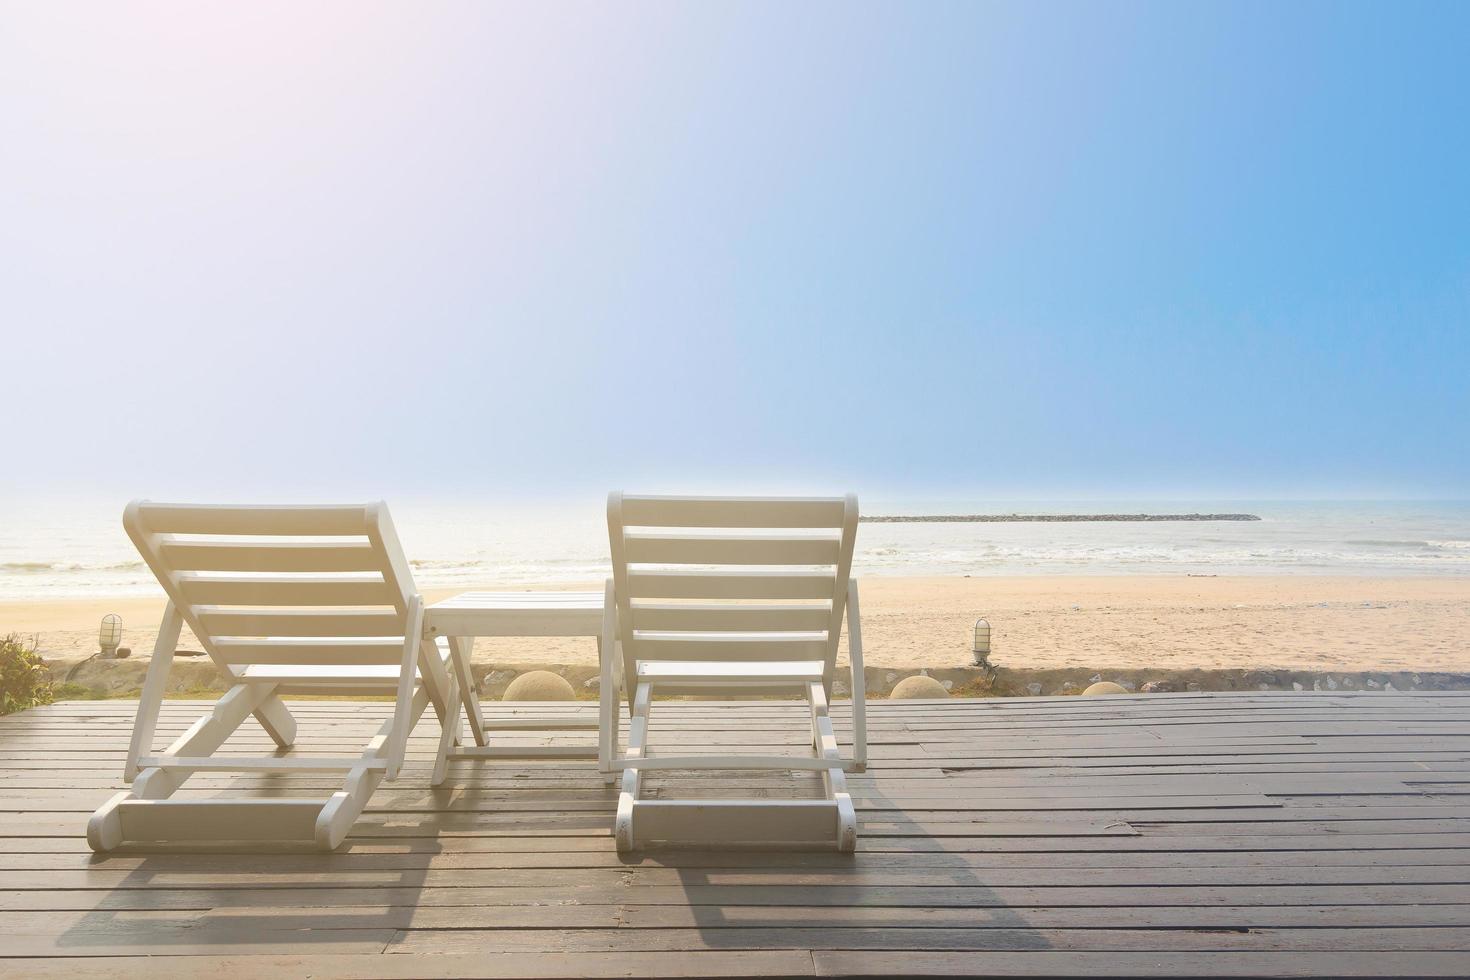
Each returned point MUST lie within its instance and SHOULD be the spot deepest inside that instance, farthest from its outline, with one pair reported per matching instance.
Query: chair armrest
(610, 674)
(859, 677)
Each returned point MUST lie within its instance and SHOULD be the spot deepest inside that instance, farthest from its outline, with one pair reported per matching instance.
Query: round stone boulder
(918, 686)
(1104, 687)
(539, 685)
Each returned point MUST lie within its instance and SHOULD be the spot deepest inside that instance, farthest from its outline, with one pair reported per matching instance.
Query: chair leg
(609, 736)
(104, 827)
(846, 823)
(623, 829)
(277, 721)
(341, 811)
(834, 780)
(150, 701)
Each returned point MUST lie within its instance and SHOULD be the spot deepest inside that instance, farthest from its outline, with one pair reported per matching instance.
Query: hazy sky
(1081, 249)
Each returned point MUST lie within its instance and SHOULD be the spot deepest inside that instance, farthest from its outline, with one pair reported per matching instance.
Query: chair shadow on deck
(218, 910)
(871, 899)
(269, 897)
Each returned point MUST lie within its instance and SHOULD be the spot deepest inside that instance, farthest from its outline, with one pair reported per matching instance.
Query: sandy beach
(1039, 622)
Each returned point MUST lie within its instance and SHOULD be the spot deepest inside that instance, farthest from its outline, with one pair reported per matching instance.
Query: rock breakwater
(1046, 518)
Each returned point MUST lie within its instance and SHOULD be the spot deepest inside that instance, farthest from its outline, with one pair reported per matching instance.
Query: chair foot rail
(228, 764)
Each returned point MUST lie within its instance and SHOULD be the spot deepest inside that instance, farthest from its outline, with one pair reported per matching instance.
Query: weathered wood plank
(773, 936)
(936, 896)
(550, 855)
(439, 966)
(1045, 963)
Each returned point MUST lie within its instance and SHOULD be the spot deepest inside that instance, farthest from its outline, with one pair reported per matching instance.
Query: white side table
(473, 614)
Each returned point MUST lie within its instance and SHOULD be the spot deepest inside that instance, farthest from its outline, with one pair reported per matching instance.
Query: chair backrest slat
(732, 512)
(651, 615)
(316, 520)
(304, 585)
(676, 549)
(282, 590)
(252, 621)
(722, 584)
(281, 556)
(336, 651)
(730, 578)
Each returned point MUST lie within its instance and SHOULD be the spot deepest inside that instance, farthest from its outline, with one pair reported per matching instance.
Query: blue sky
(980, 250)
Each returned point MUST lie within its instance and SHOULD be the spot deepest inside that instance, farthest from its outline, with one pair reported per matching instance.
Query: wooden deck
(1260, 834)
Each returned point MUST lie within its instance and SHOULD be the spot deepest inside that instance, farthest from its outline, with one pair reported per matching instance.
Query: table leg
(461, 647)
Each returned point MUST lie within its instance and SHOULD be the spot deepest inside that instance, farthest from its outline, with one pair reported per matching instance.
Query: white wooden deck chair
(306, 599)
(734, 596)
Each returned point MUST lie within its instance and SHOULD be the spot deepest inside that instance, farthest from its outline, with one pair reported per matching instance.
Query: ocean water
(57, 549)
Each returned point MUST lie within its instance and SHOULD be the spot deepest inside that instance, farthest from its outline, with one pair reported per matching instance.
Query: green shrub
(69, 691)
(24, 680)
